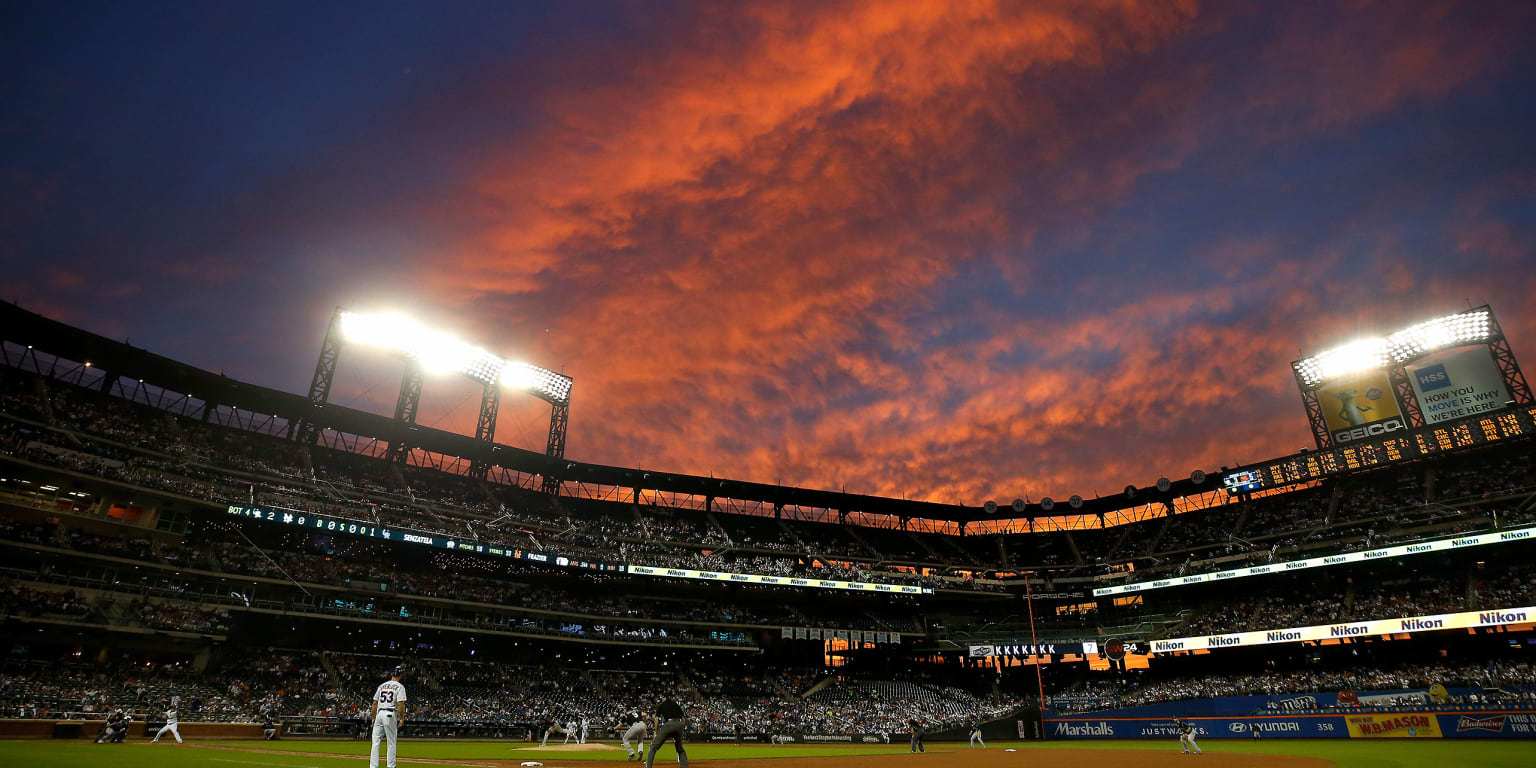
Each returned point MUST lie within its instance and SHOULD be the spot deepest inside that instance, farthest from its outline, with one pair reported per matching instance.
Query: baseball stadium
(772, 384)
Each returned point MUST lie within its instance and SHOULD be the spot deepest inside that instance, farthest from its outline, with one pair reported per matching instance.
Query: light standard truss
(432, 352)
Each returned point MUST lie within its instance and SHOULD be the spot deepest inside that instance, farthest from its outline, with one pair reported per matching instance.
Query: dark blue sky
(912, 248)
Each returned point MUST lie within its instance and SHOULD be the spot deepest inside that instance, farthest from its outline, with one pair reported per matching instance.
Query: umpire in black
(669, 725)
(917, 735)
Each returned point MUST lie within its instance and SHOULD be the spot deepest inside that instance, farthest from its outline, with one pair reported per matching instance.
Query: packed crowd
(1515, 682)
(84, 431)
(299, 686)
(1330, 600)
(374, 566)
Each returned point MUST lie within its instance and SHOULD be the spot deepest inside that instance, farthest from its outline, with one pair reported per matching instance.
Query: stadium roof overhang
(115, 358)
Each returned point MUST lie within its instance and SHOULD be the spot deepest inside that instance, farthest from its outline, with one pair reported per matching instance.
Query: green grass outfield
(137, 754)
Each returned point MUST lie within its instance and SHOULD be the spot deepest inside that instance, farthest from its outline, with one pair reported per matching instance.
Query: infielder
(387, 714)
(669, 725)
(570, 730)
(584, 723)
(976, 735)
(170, 725)
(633, 727)
(1187, 737)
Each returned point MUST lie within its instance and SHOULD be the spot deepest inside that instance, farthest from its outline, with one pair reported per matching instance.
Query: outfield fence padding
(1403, 723)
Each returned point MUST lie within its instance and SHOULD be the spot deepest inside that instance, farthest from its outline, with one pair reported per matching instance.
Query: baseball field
(487, 754)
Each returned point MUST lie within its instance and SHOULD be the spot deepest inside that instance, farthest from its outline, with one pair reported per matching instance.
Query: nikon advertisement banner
(1526, 534)
(1360, 407)
(1456, 384)
(1402, 626)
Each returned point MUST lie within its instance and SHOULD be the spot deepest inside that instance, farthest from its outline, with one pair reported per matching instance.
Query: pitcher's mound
(590, 747)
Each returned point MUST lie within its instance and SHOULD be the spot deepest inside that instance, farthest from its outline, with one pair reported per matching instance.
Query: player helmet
(398, 672)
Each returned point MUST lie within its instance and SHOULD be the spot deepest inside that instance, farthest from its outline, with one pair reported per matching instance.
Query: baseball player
(633, 727)
(570, 730)
(170, 725)
(269, 726)
(553, 726)
(917, 735)
(122, 729)
(388, 713)
(1187, 737)
(669, 726)
(109, 728)
(976, 735)
(584, 724)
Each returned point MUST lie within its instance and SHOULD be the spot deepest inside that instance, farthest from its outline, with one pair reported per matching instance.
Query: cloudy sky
(950, 250)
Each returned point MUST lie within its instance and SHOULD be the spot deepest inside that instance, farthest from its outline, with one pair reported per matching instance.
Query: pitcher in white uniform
(388, 713)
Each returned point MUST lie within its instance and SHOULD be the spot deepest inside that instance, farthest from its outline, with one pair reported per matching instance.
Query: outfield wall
(1314, 703)
(51, 728)
(1401, 724)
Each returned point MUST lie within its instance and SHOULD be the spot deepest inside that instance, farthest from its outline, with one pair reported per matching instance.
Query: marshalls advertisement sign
(1458, 383)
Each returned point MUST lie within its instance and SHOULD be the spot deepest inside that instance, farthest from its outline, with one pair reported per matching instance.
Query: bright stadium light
(1430, 335)
(517, 375)
(443, 353)
(1361, 355)
(1407, 344)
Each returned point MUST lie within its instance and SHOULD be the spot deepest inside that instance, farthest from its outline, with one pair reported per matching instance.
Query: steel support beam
(1315, 418)
(405, 408)
(1504, 357)
(1405, 396)
(320, 383)
(485, 426)
(559, 421)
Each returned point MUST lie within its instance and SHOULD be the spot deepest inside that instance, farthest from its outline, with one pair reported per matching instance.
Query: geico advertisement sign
(1412, 725)
(1466, 620)
(1416, 548)
(1360, 407)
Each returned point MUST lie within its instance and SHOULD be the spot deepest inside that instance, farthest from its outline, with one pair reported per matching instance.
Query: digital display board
(355, 528)
(783, 581)
(1246, 481)
(1422, 443)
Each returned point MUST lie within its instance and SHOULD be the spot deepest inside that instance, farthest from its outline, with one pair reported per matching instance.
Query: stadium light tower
(1410, 378)
(428, 351)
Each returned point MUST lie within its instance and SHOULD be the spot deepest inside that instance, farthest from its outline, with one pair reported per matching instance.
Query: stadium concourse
(154, 556)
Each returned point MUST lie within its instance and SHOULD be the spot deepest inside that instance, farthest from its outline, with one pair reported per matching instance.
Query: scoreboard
(1436, 439)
